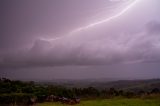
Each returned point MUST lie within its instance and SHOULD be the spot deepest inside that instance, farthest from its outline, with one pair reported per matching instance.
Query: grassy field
(111, 102)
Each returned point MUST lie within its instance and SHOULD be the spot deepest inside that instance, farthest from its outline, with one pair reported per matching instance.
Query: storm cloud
(141, 46)
(37, 34)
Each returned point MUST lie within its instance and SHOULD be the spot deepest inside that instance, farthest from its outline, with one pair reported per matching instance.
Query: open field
(111, 102)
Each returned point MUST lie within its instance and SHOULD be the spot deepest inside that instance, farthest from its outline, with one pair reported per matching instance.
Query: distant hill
(131, 85)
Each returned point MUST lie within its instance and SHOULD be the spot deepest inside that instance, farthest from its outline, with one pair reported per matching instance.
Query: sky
(79, 39)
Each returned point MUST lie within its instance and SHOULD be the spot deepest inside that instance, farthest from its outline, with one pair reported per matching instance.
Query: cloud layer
(110, 48)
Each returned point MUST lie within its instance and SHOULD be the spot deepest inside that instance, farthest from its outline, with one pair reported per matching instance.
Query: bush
(16, 98)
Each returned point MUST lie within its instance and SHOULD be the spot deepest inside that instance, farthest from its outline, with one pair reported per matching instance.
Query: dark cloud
(140, 47)
(35, 35)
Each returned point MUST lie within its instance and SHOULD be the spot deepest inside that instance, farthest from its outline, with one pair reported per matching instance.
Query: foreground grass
(111, 102)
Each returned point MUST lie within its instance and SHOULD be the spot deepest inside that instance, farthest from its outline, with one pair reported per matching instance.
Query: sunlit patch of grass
(111, 102)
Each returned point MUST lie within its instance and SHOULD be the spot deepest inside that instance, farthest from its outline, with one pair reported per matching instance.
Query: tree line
(18, 92)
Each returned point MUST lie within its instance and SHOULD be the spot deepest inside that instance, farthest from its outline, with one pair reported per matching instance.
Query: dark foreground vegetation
(18, 93)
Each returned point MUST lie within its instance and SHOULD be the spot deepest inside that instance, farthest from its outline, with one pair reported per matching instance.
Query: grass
(111, 102)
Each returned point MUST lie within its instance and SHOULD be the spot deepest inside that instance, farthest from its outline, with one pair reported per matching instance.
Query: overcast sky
(79, 39)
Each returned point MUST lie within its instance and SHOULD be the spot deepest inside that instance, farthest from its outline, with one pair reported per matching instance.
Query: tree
(155, 90)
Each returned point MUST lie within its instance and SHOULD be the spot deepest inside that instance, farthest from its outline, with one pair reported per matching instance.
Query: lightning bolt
(95, 23)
